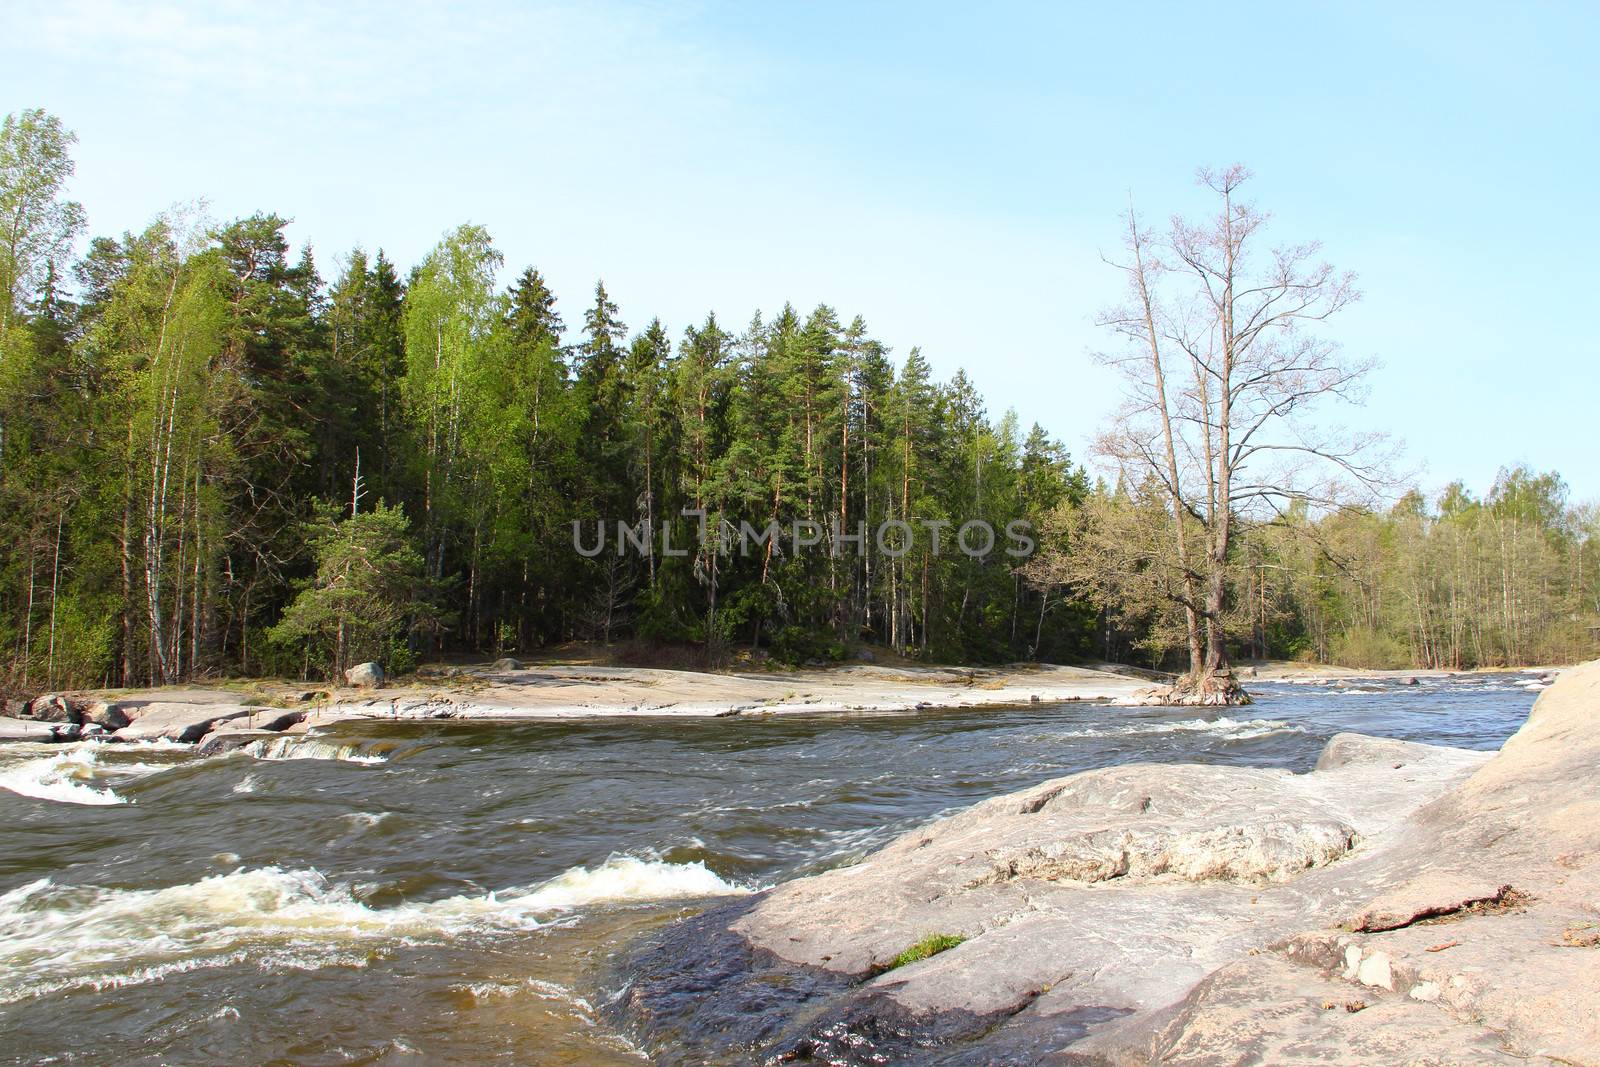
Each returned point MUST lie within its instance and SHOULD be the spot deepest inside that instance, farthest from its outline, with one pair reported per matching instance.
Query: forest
(216, 459)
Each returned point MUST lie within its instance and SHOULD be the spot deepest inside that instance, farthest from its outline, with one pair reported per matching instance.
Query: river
(450, 892)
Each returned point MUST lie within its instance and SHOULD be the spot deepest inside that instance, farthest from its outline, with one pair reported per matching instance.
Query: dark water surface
(448, 893)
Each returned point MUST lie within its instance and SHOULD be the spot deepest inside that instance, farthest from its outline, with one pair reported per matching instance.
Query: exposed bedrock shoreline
(1400, 904)
(508, 691)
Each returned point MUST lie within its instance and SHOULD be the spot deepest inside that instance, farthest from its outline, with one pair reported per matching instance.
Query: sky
(951, 172)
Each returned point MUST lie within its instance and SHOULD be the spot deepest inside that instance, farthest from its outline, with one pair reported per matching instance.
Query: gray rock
(104, 714)
(506, 663)
(71, 708)
(1192, 915)
(364, 676)
(225, 741)
(1348, 750)
(261, 720)
(176, 721)
(865, 656)
(277, 720)
(26, 730)
(56, 707)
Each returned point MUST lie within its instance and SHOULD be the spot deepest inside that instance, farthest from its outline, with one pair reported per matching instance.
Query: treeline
(1510, 579)
(217, 461)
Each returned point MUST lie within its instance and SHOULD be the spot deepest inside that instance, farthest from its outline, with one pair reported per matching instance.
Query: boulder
(70, 708)
(56, 707)
(104, 714)
(364, 676)
(506, 663)
(224, 741)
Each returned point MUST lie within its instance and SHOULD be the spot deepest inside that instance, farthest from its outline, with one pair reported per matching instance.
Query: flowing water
(450, 893)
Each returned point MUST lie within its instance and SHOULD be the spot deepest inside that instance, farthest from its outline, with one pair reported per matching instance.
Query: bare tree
(1224, 369)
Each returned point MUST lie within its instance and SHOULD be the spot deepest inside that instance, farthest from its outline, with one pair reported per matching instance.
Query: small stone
(1376, 971)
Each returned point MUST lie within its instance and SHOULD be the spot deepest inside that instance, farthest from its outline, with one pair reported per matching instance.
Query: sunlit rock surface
(1402, 903)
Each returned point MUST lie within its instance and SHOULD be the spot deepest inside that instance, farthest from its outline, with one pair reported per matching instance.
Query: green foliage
(931, 945)
(365, 598)
(37, 224)
(184, 409)
(1455, 583)
(796, 645)
(1366, 648)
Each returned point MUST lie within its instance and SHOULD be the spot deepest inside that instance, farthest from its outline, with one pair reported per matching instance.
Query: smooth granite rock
(174, 721)
(364, 676)
(1401, 904)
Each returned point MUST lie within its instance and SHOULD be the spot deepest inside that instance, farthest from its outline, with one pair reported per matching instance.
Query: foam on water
(1236, 729)
(286, 748)
(63, 778)
(61, 937)
(625, 878)
(365, 820)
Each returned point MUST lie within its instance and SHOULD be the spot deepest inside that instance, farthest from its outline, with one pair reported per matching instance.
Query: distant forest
(216, 460)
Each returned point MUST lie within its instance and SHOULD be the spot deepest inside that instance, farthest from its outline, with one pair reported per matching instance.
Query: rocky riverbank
(221, 717)
(1402, 903)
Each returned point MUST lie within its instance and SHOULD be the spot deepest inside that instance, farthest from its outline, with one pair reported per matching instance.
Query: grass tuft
(931, 945)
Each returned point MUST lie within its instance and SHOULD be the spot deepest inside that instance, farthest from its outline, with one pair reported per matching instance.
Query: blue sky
(951, 172)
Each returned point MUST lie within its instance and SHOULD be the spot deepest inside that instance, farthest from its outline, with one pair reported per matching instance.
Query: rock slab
(1402, 903)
